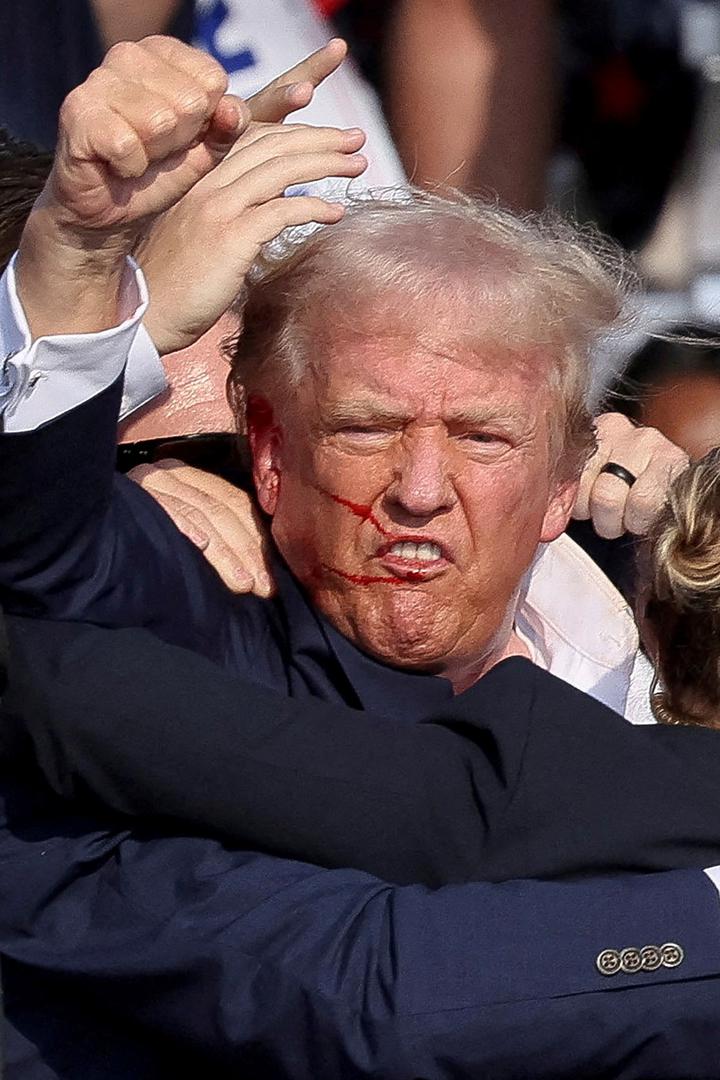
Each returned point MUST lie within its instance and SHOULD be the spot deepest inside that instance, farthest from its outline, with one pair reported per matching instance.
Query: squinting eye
(482, 437)
(365, 431)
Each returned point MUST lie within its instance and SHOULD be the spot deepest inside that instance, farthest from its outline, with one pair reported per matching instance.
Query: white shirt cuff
(713, 873)
(40, 380)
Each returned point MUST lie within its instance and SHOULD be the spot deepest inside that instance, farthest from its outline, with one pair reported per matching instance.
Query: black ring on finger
(613, 469)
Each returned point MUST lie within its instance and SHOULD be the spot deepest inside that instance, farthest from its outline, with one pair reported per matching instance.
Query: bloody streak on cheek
(359, 510)
(369, 579)
(365, 513)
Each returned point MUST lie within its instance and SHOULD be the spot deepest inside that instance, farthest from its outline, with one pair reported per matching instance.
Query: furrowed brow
(362, 410)
(470, 416)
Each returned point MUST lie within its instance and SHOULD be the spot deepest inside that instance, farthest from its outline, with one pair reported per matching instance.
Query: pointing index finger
(273, 102)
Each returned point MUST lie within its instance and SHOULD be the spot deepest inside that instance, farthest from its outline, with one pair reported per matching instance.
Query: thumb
(212, 145)
(227, 124)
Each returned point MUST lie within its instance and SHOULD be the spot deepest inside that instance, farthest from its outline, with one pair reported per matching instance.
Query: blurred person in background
(470, 91)
(673, 384)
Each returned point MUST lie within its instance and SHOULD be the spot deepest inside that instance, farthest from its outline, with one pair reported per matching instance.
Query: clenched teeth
(426, 552)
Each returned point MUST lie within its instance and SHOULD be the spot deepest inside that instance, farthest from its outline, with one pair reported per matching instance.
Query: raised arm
(136, 140)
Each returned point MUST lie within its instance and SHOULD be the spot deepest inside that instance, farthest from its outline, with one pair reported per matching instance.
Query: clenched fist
(136, 142)
(133, 138)
(142, 129)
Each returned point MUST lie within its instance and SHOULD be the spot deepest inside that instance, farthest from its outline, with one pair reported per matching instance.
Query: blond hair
(683, 596)
(435, 266)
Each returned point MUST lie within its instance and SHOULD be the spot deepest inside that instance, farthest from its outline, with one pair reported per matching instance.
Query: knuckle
(141, 473)
(123, 143)
(212, 76)
(192, 101)
(672, 456)
(73, 106)
(212, 213)
(155, 42)
(612, 423)
(167, 463)
(122, 52)
(645, 503)
(650, 437)
(161, 122)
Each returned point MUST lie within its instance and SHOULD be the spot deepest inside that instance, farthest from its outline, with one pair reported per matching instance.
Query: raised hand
(133, 138)
(196, 256)
(142, 129)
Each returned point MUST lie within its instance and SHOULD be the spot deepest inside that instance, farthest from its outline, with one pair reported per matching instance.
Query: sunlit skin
(687, 410)
(395, 442)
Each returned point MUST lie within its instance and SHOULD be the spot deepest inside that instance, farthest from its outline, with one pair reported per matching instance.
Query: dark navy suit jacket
(523, 776)
(152, 945)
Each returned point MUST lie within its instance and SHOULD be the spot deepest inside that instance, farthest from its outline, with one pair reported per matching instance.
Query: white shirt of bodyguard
(574, 622)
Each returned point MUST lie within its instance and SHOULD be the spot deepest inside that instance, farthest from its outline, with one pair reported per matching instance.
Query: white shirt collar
(578, 626)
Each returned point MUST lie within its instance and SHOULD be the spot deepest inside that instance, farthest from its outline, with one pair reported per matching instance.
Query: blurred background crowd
(606, 109)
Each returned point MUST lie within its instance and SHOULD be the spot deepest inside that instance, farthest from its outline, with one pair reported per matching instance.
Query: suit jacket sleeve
(523, 777)
(79, 542)
(281, 969)
(149, 729)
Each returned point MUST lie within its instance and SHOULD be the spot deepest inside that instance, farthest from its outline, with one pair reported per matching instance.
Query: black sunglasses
(218, 452)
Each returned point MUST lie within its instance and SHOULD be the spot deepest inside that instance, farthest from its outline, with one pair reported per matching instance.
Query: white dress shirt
(42, 379)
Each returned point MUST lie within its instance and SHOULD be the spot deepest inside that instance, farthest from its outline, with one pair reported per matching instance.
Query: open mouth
(414, 558)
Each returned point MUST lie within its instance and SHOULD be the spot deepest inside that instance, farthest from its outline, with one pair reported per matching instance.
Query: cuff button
(671, 955)
(630, 961)
(608, 962)
(651, 958)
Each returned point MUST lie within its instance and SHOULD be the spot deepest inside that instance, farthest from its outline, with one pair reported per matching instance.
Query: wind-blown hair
(683, 596)
(443, 270)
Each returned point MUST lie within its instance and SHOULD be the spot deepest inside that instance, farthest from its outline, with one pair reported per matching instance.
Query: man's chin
(408, 626)
(419, 643)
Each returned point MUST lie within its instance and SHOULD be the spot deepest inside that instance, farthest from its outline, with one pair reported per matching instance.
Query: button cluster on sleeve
(631, 961)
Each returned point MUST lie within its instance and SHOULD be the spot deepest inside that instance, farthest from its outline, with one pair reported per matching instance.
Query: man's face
(409, 491)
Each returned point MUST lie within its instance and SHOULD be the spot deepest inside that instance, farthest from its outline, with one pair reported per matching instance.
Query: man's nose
(422, 485)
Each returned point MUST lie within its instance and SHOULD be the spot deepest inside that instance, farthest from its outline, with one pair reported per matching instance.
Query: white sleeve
(40, 380)
(713, 873)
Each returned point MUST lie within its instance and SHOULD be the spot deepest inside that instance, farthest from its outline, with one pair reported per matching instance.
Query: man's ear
(559, 510)
(265, 438)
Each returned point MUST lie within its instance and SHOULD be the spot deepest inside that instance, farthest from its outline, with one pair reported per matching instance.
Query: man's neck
(467, 675)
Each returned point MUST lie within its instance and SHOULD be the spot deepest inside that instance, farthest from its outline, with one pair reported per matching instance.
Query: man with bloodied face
(414, 381)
